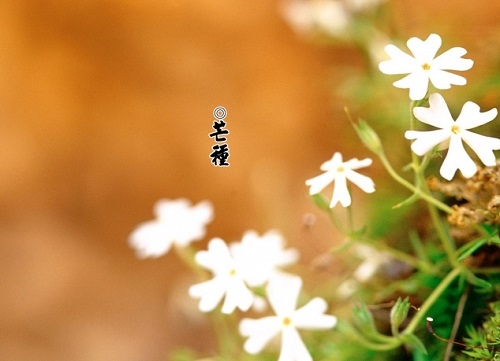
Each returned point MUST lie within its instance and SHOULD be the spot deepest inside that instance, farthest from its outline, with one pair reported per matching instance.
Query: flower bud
(399, 312)
(368, 136)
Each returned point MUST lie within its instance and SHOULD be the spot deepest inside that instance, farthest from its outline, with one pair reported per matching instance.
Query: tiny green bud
(399, 312)
(364, 318)
(368, 136)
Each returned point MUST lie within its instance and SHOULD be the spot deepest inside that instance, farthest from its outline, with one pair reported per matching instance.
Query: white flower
(228, 280)
(339, 171)
(261, 258)
(425, 66)
(451, 134)
(249, 263)
(176, 223)
(327, 16)
(283, 296)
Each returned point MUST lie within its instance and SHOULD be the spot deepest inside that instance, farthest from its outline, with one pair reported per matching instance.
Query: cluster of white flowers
(423, 67)
(252, 266)
(239, 266)
(238, 269)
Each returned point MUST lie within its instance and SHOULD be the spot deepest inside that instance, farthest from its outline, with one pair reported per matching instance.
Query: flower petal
(400, 63)
(355, 163)
(438, 115)
(237, 295)
(417, 82)
(362, 181)
(333, 163)
(452, 60)
(483, 146)
(283, 293)
(425, 141)
(209, 292)
(320, 182)
(292, 346)
(471, 116)
(259, 332)
(311, 316)
(340, 192)
(424, 51)
(457, 158)
(166, 209)
(217, 258)
(150, 239)
(443, 79)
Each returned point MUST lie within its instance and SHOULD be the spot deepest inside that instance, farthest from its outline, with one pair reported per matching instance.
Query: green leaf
(471, 247)
(481, 285)
(321, 202)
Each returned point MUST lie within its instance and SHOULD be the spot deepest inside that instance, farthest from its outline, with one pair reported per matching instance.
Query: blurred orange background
(106, 107)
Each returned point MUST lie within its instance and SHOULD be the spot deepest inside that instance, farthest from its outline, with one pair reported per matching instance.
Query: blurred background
(106, 107)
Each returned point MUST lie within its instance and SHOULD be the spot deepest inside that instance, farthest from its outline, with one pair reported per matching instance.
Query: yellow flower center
(340, 169)
(232, 272)
(455, 129)
(426, 66)
(286, 321)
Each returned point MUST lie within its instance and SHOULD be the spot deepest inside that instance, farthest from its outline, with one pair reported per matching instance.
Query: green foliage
(483, 342)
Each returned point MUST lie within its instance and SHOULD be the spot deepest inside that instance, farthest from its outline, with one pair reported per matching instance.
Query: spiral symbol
(220, 113)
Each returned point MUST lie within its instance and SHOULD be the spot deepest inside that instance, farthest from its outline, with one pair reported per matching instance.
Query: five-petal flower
(451, 134)
(261, 257)
(425, 66)
(228, 280)
(283, 296)
(176, 223)
(339, 171)
(249, 263)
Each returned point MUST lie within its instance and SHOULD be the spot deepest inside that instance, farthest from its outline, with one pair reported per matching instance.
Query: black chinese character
(220, 155)
(218, 126)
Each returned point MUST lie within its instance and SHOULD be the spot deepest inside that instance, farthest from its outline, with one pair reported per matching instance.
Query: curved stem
(408, 185)
(431, 300)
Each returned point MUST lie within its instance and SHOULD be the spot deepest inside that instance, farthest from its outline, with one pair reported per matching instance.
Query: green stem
(429, 302)
(187, 255)
(387, 345)
(411, 187)
(446, 241)
(337, 223)
(456, 322)
(403, 257)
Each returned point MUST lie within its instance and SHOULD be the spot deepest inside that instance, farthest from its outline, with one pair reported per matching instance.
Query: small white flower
(339, 171)
(283, 296)
(425, 66)
(261, 258)
(451, 134)
(228, 280)
(249, 263)
(327, 16)
(176, 223)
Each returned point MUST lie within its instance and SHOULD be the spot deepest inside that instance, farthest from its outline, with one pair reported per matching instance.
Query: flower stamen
(426, 66)
(286, 321)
